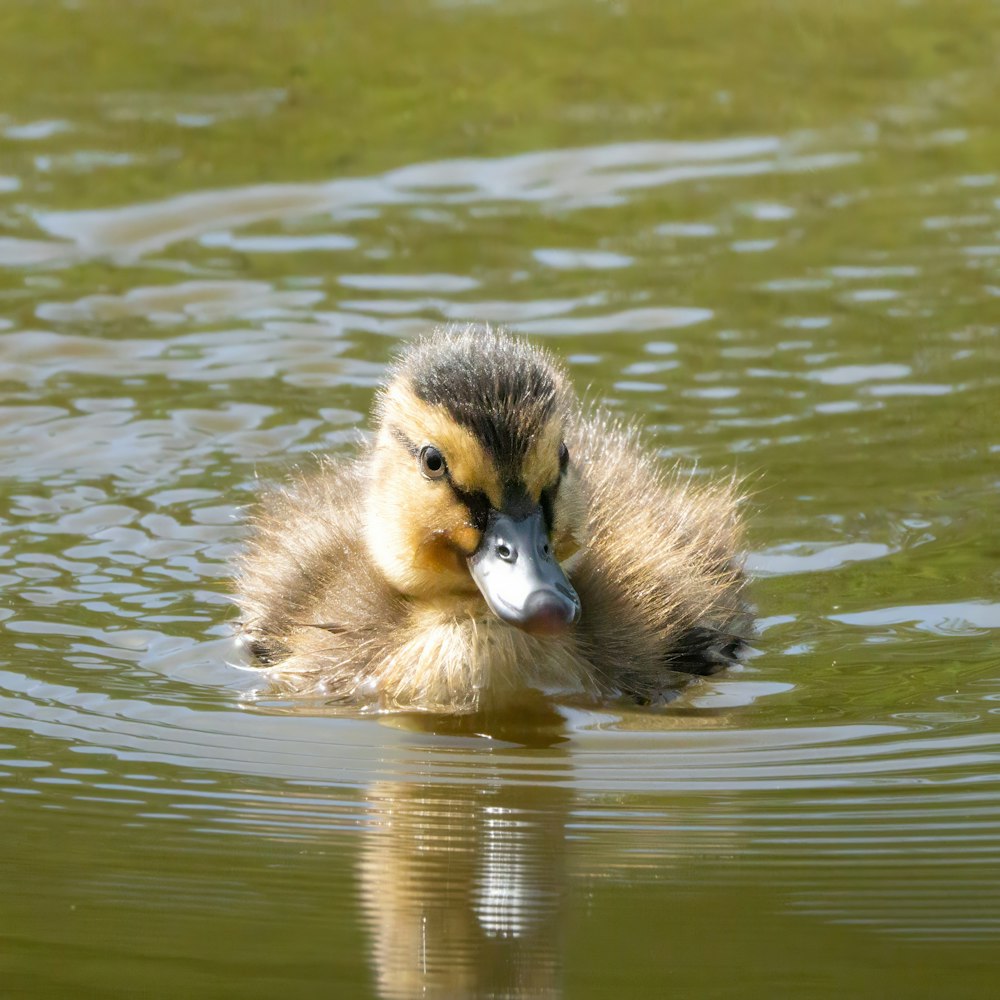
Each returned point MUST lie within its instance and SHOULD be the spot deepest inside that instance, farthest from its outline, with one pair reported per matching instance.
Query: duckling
(496, 539)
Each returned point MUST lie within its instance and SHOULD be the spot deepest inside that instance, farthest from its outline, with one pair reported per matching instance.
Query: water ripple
(575, 178)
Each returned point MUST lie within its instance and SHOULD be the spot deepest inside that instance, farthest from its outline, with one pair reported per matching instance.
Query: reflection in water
(463, 889)
(484, 867)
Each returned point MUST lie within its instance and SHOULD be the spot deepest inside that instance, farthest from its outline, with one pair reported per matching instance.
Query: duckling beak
(519, 576)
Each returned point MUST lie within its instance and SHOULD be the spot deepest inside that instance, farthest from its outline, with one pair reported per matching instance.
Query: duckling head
(473, 494)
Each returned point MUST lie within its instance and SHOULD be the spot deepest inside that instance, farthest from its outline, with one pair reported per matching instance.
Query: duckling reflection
(464, 887)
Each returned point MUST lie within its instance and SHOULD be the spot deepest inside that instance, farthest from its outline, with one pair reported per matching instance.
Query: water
(773, 237)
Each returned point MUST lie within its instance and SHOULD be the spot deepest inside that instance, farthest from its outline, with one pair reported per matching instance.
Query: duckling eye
(432, 465)
(563, 457)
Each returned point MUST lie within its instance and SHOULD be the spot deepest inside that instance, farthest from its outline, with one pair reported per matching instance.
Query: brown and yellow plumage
(493, 540)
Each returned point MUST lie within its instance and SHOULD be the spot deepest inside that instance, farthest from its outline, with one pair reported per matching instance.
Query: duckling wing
(659, 577)
(314, 607)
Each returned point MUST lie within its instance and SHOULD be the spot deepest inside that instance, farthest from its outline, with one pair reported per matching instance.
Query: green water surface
(768, 232)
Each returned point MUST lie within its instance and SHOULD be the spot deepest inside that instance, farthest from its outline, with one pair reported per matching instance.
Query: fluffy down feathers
(657, 570)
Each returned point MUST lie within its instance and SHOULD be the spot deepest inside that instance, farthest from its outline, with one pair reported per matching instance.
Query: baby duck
(495, 539)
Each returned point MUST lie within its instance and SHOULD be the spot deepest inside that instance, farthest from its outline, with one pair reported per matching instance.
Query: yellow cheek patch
(565, 546)
(432, 533)
(466, 539)
(437, 556)
(446, 551)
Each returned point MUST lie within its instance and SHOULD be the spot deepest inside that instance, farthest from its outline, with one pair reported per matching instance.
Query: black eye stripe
(405, 441)
(477, 503)
(548, 503)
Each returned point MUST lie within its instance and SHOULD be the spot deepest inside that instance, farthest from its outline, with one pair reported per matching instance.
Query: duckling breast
(468, 662)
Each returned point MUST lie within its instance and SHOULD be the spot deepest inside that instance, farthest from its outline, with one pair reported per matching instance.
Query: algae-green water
(770, 233)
